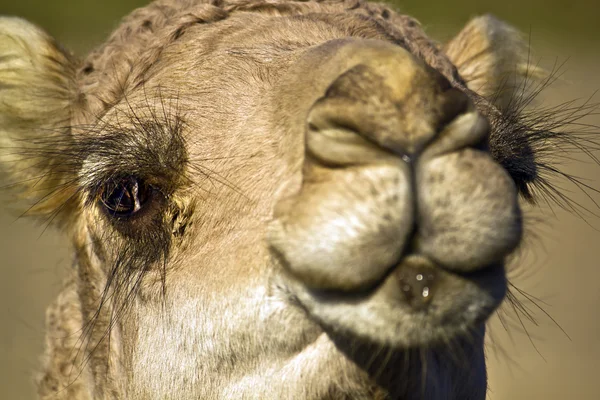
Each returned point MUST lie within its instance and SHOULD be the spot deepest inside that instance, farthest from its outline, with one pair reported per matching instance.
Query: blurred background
(553, 355)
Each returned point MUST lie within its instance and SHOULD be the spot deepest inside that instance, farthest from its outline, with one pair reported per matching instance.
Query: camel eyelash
(531, 142)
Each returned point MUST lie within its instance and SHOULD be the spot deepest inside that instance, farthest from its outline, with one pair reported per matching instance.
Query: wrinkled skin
(316, 202)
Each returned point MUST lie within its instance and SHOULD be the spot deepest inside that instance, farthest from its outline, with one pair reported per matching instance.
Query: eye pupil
(124, 197)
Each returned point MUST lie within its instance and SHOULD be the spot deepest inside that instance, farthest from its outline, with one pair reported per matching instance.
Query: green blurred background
(560, 264)
(84, 23)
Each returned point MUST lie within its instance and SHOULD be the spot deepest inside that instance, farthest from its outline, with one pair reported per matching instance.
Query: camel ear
(37, 92)
(493, 59)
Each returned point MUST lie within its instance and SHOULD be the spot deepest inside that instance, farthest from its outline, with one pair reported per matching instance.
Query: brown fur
(258, 124)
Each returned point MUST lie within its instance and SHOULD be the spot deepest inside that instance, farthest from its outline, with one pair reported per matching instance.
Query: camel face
(271, 200)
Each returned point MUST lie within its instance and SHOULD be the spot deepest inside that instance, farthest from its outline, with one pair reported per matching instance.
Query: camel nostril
(452, 103)
(416, 281)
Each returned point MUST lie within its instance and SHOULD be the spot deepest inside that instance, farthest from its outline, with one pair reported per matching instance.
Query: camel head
(271, 199)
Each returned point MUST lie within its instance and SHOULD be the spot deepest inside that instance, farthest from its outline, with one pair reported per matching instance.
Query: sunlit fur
(185, 300)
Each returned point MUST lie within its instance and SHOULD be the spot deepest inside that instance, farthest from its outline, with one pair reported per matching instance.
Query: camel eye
(125, 197)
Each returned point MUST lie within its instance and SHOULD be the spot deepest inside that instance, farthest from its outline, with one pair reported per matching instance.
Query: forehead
(251, 48)
(247, 52)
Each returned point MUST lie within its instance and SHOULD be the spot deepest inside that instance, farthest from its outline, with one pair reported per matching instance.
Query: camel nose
(395, 165)
(393, 101)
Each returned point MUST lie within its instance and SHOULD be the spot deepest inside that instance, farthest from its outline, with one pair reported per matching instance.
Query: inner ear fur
(493, 59)
(37, 92)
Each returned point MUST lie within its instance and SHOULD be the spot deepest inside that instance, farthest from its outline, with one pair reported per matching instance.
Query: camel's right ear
(37, 93)
(493, 59)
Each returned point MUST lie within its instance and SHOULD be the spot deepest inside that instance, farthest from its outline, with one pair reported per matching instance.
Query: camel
(273, 199)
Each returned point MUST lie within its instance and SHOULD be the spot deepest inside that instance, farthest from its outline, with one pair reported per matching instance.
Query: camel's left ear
(493, 59)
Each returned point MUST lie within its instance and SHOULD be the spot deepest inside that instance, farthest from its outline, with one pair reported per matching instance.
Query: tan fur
(393, 142)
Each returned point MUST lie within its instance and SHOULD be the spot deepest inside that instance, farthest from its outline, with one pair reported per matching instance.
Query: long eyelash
(57, 200)
(556, 134)
(130, 266)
